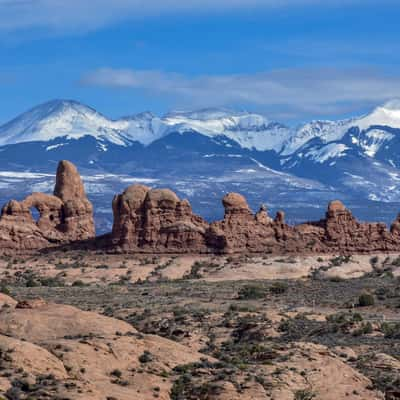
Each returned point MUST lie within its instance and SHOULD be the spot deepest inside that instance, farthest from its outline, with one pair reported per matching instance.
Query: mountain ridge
(58, 118)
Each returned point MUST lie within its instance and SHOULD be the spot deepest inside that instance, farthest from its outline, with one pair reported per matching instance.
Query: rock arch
(64, 217)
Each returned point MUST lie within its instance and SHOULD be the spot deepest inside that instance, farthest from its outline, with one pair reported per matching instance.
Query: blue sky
(292, 60)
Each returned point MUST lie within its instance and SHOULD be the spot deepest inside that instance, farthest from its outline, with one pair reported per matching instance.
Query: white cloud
(74, 15)
(292, 93)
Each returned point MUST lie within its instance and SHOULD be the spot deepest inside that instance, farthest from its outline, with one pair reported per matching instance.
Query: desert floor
(114, 327)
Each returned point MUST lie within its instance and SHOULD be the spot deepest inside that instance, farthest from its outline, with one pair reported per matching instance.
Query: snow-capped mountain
(359, 155)
(250, 131)
(72, 120)
(57, 119)
(205, 153)
(370, 131)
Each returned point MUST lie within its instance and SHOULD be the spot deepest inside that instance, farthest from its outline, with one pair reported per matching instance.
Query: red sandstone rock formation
(65, 217)
(341, 232)
(241, 231)
(156, 220)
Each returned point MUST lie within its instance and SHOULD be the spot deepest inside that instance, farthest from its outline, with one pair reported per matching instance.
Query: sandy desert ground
(114, 327)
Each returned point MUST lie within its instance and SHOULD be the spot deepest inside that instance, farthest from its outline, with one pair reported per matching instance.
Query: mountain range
(205, 153)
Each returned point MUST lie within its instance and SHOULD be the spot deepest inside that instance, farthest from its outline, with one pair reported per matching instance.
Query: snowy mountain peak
(58, 118)
(393, 105)
(73, 120)
(249, 130)
(327, 131)
(386, 115)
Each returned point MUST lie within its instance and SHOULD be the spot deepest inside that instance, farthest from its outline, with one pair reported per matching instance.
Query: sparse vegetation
(252, 292)
(278, 288)
(366, 300)
(304, 394)
(250, 327)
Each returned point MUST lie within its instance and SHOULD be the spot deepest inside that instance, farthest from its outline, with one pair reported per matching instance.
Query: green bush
(146, 357)
(374, 260)
(366, 300)
(338, 261)
(364, 329)
(304, 395)
(279, 288)
(78, 283)
(391, 331)
(396, 262)
(5, 290)
(117, 373)
(251, 292)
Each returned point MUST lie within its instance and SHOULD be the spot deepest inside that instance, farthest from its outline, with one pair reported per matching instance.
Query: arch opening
(35, 214)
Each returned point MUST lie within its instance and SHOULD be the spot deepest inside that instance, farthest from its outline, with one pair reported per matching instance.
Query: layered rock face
(64, 217)
(341, 232)
(158, 221)
(241, 231)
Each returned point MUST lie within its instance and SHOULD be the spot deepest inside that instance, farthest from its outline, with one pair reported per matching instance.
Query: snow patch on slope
(331, 150)
(372, 141)
(327, 131)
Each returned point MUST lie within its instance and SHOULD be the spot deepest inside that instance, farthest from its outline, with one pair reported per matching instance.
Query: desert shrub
(195, 271)
(117, 373)
(374, 260)
(336, 279)
(396, 262)
(31, 282)
(146, 357)
(5, 290)
(343, 322)
(102, 266)
(249, 329)
(52, 281)
(391, 331)
(279, 288)
(364, 329)
(366, 300)
(185, 388)
(337, 261)
(251, 292)
(304, 394)
(382, 292)
(74, 265)
(238, 354)
(78, 283)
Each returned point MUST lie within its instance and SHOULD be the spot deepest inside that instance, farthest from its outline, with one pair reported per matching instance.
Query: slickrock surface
(66, 216)
(50, 351)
